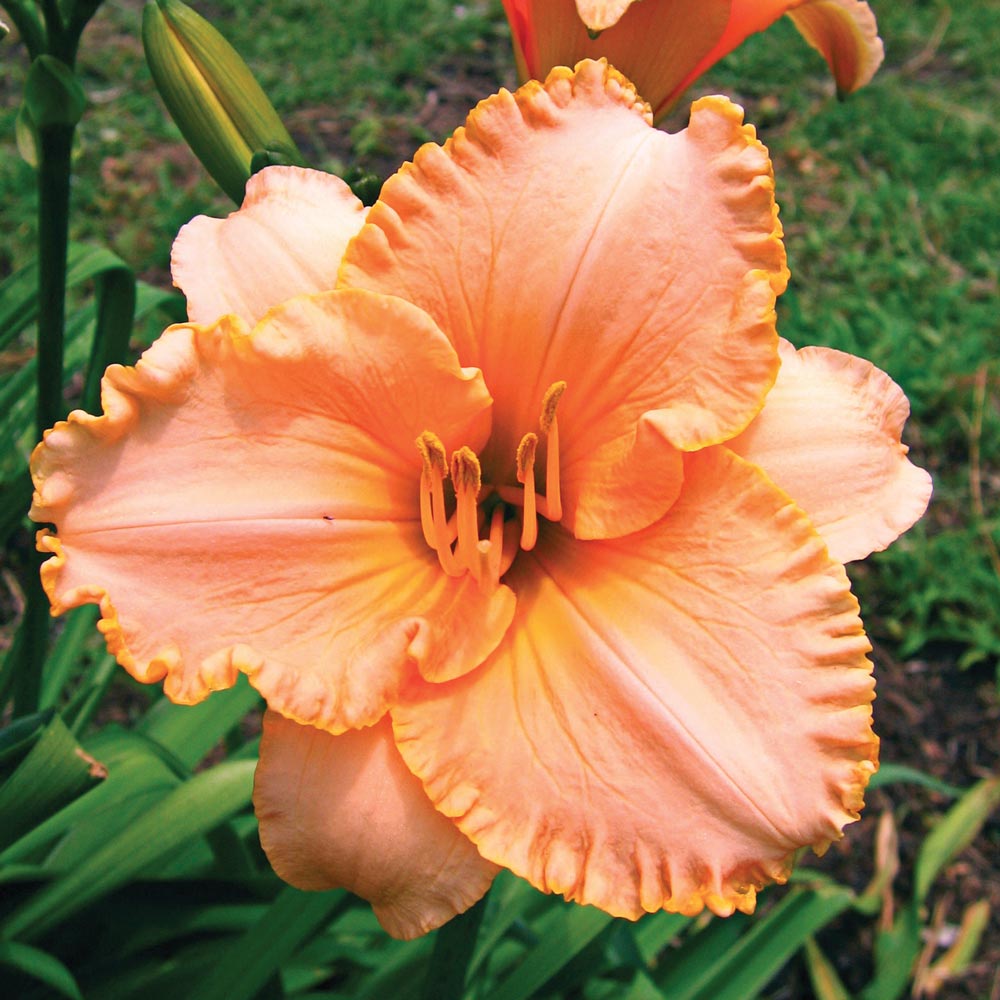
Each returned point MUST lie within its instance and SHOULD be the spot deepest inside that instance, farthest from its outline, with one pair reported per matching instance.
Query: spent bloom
(665, 45)
(511, 503)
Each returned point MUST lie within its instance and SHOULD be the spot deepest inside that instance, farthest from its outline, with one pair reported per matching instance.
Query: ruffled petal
(843, 31)
(287, 239)
(655, 43)
(647, 284)
(829, 435)
(344, 812)
(679, 710)
(249, 501)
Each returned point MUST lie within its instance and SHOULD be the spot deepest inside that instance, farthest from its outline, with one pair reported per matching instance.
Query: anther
(433, 515)
(526, 475)
(549, 403)
(432, 452)
(550, 427)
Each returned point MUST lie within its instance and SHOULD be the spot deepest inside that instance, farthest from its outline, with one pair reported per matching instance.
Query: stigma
(476, 527)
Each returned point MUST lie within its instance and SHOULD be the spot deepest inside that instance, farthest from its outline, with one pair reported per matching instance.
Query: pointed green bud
(212, 96)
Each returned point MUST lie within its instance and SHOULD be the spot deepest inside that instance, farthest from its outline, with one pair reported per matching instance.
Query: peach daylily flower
(665, 45)
(502, 525)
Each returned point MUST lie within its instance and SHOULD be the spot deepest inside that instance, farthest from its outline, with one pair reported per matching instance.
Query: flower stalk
(53, 105)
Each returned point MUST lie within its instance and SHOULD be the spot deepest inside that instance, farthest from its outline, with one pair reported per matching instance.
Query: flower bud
(212, 96)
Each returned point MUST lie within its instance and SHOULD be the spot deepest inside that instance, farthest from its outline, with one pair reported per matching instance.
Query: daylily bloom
(490, 495)
(663, 46)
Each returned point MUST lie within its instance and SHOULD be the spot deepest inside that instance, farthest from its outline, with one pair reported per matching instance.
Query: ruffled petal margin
(249, 502)
(521, 269)
(287, 239)
(679, 710)
(845, 33)
(829, 435)
(344, 812)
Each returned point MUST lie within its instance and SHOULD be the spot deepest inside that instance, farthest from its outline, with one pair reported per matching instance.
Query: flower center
(508, 515)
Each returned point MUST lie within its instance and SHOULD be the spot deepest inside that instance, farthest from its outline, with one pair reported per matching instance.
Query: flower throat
(456, 537)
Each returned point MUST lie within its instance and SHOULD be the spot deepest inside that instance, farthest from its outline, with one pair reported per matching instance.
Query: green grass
(891, 208)
(349, 79)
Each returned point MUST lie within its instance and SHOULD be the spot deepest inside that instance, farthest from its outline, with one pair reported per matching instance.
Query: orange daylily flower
(502, 524)
(665, 45)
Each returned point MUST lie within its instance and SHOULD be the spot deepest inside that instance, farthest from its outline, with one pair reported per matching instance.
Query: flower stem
(454, 944)
(55, 145)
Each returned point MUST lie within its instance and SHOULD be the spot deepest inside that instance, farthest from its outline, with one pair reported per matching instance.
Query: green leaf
(566, 934)
(67, 653)
(40, 965)
(900, 774)
(136, 773)
(643, 988)
(243, 969)
(55, 771)
(826, 983)
(115, 308)
(190, 811)
(19, 737)
(191, 731)
(454, 944)
(953, 833)
(745, 968)
(656, 930)
(896, 953)
(956, 959)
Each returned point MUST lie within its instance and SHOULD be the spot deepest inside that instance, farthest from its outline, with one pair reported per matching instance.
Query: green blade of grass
(896, 774)
(569, 933)
(826, 983)
(654, 932)
(953, 833)
(54, 772)
(190, 731)
(41, 966)
(896, 953)
(66, 653)
(135, 772)
(19, 292)
(248, 964)
(190, 811)
(745, 968)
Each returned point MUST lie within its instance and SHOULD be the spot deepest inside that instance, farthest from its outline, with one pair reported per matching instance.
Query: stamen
(526, 475)
(549, 403)
(550, 427)
(432, 452)
(433, 515)
(466, 476)
(496, 542)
